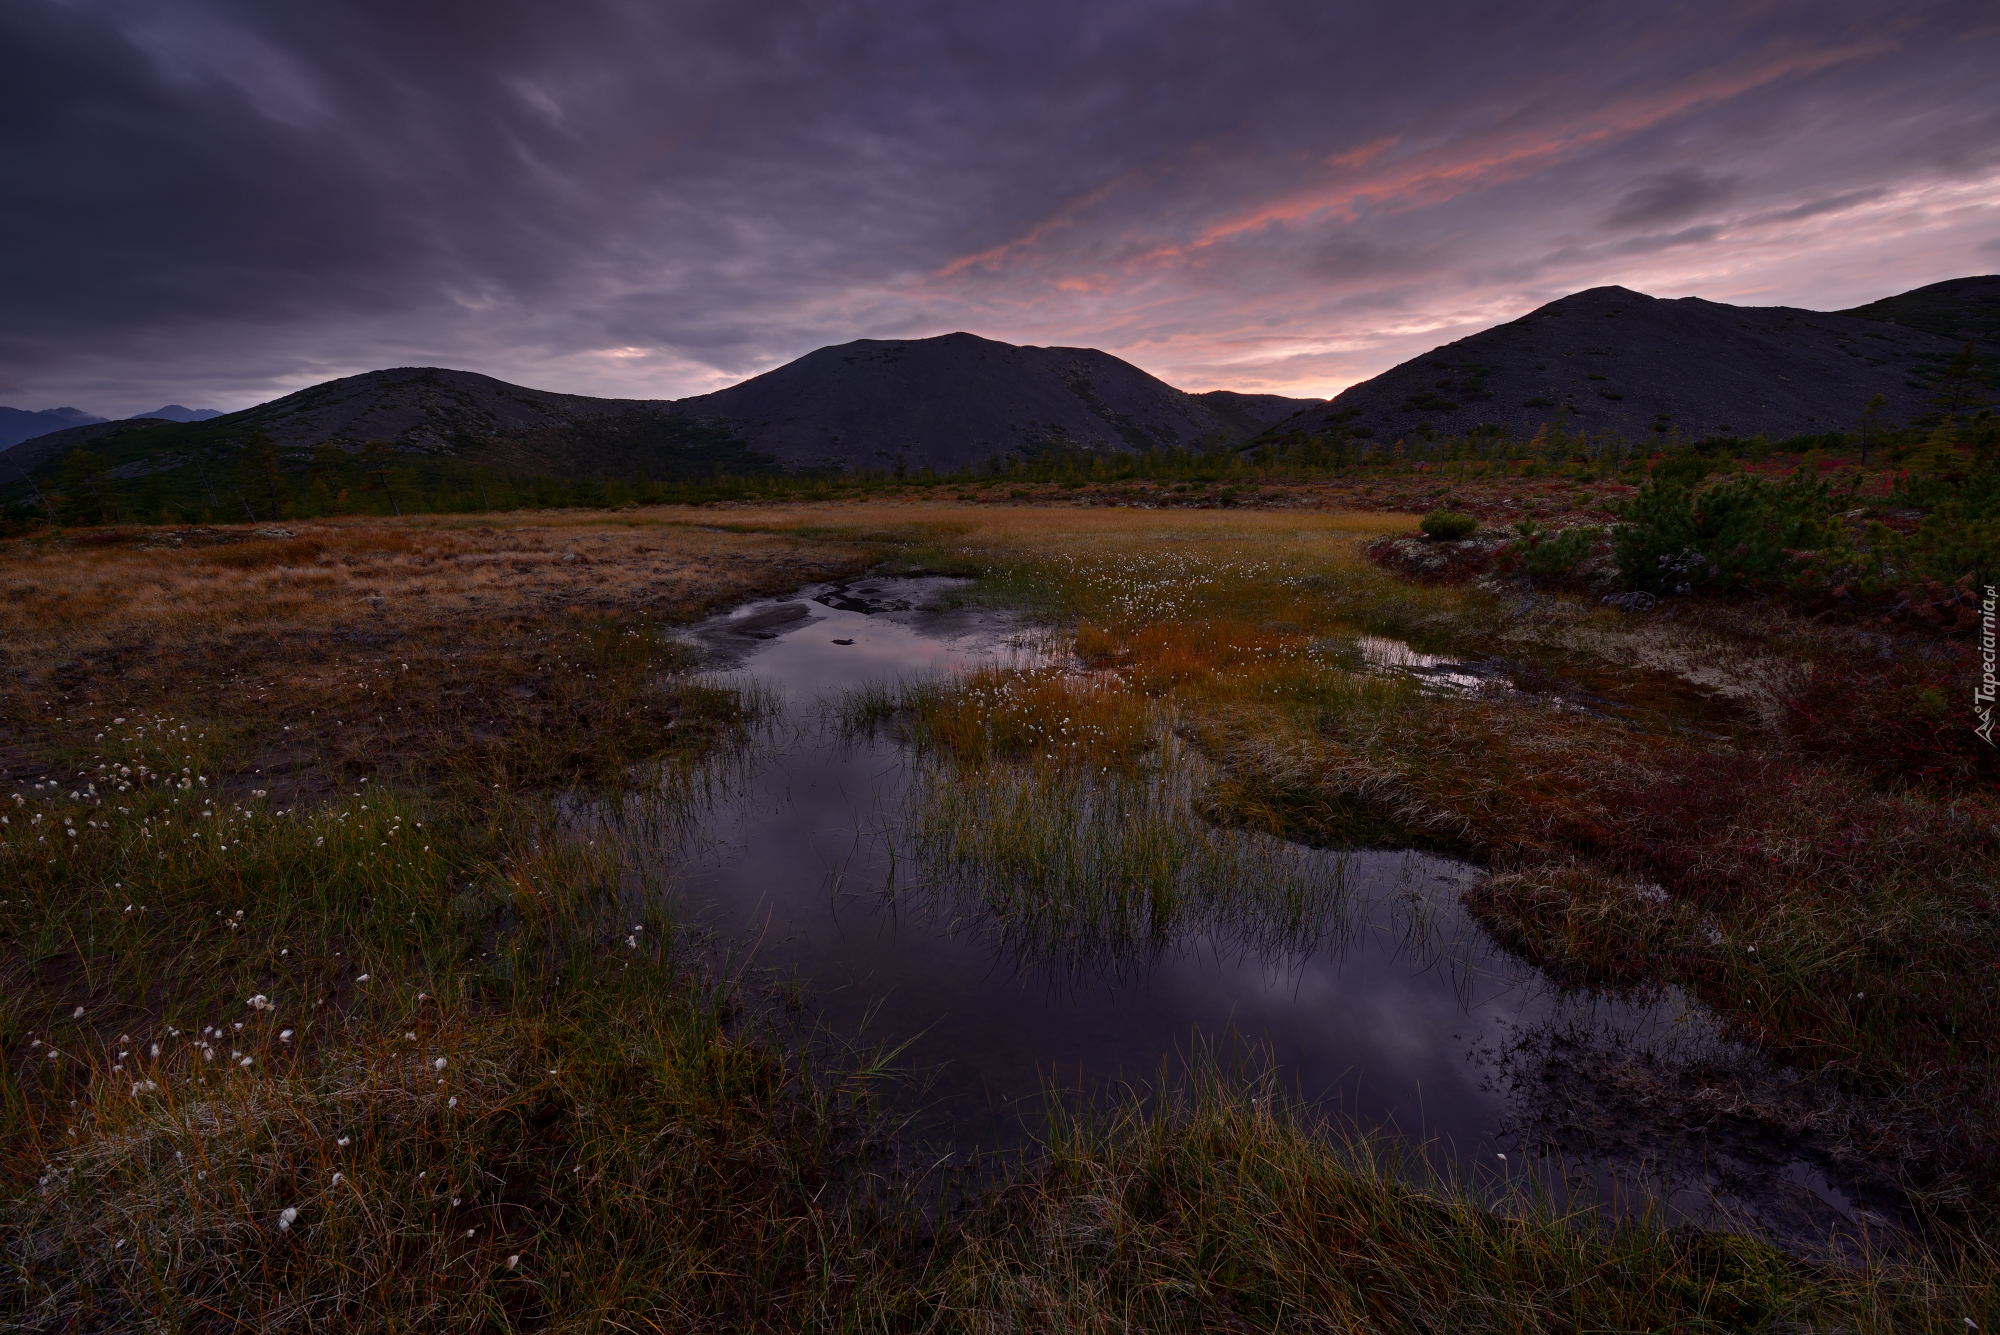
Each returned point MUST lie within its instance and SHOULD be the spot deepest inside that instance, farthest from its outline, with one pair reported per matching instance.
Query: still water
(1391, 1009)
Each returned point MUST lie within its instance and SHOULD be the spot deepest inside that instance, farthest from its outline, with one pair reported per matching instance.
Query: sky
(215, 202)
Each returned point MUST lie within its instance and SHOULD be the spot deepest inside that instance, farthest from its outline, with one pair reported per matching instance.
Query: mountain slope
(31, 454)
(422, 408)
(953, 401)
(1254, 412)
(1620, 360)
(1958, 308)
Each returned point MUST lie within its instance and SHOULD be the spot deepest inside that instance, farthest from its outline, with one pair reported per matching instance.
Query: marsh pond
(1016, 932)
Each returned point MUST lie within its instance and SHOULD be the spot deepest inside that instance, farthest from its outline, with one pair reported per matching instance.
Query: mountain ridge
(956, 399)
(1613, 359)
(1608, 357)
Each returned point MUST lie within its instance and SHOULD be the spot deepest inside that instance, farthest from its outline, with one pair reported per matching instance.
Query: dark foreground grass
(471, 1091)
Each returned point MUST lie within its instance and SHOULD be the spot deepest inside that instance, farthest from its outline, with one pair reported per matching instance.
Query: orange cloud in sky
(1430, 177)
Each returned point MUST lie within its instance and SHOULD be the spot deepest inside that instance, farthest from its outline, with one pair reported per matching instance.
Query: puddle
(1463, 677)
(1358, 976)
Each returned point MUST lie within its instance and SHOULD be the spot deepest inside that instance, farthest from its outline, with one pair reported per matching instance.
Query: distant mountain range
(1617, 360)
(941, 403)
(1609, 358)
(19, 424)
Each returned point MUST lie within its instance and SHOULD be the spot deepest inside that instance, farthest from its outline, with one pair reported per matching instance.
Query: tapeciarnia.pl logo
(1982, 697)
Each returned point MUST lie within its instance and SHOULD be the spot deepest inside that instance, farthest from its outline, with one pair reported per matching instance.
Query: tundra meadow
(319, 1014)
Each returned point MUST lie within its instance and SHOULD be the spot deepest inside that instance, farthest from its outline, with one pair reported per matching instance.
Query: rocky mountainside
(956, 400)
(1619, 360)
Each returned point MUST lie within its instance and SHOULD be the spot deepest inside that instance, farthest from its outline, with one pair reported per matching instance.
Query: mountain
(173, 412)
(953, 401)
(423, 409)
(1254, 412)
(1622, 361)
(19, 424)
(440, 420)
(1958, 308)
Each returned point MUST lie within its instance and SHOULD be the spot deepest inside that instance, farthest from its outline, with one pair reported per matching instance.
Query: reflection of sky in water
(794, 853)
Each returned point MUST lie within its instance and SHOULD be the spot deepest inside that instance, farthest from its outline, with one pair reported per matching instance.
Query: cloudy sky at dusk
(218, 201)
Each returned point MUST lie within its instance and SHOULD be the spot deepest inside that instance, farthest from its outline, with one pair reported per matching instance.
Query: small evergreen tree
(1960, 386)
(378, 461)
(1871, 424)
(89, 494)
(260, 475)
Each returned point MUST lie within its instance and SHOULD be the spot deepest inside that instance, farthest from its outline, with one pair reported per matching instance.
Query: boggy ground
(313, 1015)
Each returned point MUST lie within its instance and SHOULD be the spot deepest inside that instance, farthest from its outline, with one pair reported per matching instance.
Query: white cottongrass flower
(284, 1035)
(260, 1002)
(451, 1102)
(361, 978)
(286, 1216)
(337, 1177)
(144, 1087)
(343, 1140)
(76, 1014)
(513, 1261)
(246, 1061)
(438, 1065)
(153, 1051)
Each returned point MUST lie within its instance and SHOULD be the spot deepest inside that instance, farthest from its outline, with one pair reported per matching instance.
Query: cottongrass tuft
(286, 1217)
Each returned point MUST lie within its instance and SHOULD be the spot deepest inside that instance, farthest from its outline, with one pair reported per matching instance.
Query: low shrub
(1740, 533)
(1448, 525)
(1546, 554)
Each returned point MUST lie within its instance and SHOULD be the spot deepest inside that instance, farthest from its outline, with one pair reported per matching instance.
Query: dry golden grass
(429, 640)
(95, 591)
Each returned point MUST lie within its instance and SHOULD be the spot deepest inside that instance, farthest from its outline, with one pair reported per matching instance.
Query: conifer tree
(260, 476)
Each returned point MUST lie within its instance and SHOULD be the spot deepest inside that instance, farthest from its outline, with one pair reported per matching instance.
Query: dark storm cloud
(219, 200)
(1819, 207)
(1669, 198)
